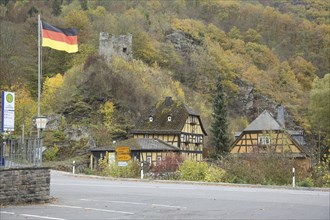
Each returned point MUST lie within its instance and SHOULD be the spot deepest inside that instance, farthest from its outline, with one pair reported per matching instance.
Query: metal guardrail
(15, 153)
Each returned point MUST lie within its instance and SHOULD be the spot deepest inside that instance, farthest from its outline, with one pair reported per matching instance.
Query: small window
(192, 119)
(149, 160)
(185, 138)
(151, 119)
(124, 49)
(169, 118)
(159, 159)
(146, 135)
(198, 139)
(264, 140)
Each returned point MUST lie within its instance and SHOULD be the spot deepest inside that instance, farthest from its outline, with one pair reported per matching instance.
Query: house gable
(266, 133)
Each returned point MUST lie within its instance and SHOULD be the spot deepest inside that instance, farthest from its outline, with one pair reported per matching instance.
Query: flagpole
(39, 65)
(39, 88)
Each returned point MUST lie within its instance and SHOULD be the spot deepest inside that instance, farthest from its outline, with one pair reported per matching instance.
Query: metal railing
(15, 153)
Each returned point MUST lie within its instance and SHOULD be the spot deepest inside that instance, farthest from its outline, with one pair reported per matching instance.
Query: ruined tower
(119, 46)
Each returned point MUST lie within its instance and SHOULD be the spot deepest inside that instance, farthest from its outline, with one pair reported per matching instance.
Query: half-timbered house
(176, 124)
(265, 134)
(168, 127)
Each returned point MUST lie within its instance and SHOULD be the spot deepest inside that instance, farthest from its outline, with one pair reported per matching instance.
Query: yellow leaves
(78, 19)
(51, 85)
(179, 90)
(107, 109)
(193, 27)
(25, 108)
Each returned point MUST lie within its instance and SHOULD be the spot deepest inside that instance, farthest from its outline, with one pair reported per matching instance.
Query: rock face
(182, 42)
(78, 133)
(248, 102)
(72, 133)
(53, 122)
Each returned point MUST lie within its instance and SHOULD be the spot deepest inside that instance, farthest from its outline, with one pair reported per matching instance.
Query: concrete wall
(24, 185)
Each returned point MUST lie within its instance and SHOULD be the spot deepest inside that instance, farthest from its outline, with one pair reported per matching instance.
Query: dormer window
(192, 119)
(151, 119)
(169, 118)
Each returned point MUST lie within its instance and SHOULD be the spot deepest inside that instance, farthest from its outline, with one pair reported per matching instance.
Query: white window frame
(264, 140)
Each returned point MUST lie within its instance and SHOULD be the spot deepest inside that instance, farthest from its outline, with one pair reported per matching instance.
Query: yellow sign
(122, 150)
(123, 157)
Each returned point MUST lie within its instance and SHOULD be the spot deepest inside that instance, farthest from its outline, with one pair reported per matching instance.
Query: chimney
(168, 101)
(281, 115)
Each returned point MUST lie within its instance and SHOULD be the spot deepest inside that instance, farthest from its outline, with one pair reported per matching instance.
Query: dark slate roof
(264, 122)
(146, 144)
(177, 110)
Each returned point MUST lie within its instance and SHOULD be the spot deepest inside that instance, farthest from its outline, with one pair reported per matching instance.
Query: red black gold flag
(59, 39)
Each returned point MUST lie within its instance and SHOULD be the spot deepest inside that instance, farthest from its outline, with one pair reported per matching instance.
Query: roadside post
(74, 167)
(142, 170)
(293, 177)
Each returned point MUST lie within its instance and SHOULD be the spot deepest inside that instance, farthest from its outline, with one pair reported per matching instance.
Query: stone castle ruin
(119, 46)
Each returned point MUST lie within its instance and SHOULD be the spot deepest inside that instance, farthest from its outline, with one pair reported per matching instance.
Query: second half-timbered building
(265, 134)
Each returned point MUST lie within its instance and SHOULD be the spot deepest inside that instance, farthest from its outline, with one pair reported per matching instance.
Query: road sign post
(123, 155)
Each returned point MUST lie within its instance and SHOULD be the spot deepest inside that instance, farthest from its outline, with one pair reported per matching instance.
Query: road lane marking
(9, 213)
(66, 206)
(135, 203)
(43, 217)
(107, 210)
(35, 216)
(93, 209)
(113, 201)
(169, 206)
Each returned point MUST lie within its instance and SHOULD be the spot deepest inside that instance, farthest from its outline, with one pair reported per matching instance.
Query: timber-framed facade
(265, 134)
(176, 124)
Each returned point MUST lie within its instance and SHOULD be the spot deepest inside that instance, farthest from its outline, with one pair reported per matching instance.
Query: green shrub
(307, 182)
(132, 170)
(193, 170)
(321, 174)
(266, 169)
(51, 153)
(214, 174)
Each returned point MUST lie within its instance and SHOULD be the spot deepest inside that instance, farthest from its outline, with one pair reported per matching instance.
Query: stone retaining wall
(24, 185)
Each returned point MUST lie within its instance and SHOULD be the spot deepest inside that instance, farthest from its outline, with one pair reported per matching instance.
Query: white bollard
(293, 178)
(141, 170)
(74, 167)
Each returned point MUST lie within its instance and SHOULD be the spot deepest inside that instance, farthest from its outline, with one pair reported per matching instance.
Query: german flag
(59, 39)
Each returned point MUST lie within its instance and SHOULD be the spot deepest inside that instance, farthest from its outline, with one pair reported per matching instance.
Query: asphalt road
(93, 198)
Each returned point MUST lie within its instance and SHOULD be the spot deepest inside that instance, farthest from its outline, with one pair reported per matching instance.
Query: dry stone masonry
(24, 185)
(119, 46)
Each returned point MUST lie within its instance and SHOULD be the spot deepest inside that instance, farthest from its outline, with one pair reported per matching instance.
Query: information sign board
(8, 111)
(122, 150)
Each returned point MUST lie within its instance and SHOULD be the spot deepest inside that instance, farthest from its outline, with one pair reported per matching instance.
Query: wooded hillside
(276, 49)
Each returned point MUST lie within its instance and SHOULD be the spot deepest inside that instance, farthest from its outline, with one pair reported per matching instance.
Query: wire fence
(17, 153)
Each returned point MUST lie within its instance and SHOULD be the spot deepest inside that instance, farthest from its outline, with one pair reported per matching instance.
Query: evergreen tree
(219, 125)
